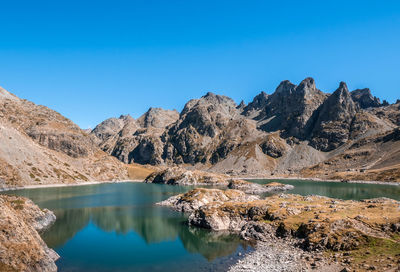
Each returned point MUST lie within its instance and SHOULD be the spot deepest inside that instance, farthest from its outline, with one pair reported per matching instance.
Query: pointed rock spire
(285, 87)
(334, 119)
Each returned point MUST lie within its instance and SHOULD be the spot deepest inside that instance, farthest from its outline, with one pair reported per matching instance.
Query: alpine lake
(117, 227)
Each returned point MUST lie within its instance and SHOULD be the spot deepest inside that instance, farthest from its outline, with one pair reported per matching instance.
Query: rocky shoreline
(21, 247)
(317, 232)
(293, 233)
(181, 176)
(277, 255)
(254, 188)
(199, 197)
(55, 185)
(316, 179)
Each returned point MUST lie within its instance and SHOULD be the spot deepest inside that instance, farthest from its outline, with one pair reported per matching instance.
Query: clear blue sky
(91, 60)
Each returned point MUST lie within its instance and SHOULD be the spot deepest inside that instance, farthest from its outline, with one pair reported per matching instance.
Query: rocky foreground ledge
(21, 247)
(360, 235)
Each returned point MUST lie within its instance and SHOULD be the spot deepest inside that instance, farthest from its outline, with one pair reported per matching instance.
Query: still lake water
(117, 227)
(341, 190)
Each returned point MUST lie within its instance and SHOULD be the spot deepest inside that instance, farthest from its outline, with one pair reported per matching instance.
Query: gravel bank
(279, 255)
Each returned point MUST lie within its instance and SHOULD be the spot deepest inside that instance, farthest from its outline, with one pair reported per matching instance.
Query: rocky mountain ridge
(292, 129)
(40, 146)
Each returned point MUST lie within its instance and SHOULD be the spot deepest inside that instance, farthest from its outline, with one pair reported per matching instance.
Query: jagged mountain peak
(365, 99)
(213, 103)
(260, 97)
(307, 87)
(158, 118)
(125, 116)
(214, 130)
(288, 109)
(241, 105)
(212, 97)
(109, 127)
(341, 92)
(308, 82)
(339, 100)
(209, 94)
(285, 87)
(343, 86)
(335, 116)
(360, 92)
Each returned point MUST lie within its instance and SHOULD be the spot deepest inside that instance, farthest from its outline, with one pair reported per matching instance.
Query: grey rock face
(110, 127)
(258, 104)
(203, 131)
(296, 121)
(158, 118)
(289, 108)
(74, 144)
(335, 116)
(274, 146)
(133, 140)
(364, 98)
(44, 221)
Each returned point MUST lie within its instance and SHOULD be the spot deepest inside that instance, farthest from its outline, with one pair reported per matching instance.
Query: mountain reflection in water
(153, 225)
(117, 227)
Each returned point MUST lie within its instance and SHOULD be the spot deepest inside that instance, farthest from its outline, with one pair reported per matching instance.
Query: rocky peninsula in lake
(320, 232)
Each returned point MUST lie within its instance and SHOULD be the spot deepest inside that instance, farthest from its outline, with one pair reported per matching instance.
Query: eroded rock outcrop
(158, 118)
(289, 108)
(196, 198)
(21, 247)
(364, 98)
(208, 129)
(335, 116)
(254, 188)
(112, 126)
(132, 140)
(181, 176)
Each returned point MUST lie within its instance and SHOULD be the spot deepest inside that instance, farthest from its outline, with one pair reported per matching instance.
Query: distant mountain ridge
(298, 130)
(296, 127)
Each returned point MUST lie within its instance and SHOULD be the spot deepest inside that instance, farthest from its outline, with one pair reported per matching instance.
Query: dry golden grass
(8, 173)
(212, 194)
(389, 174)
(274, 184)
(140, 172)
